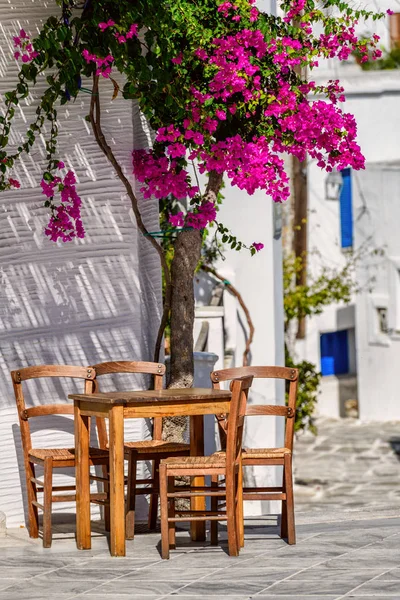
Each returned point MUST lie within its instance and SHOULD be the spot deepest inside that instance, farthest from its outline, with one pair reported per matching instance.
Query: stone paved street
(352, 552)
(347, 470)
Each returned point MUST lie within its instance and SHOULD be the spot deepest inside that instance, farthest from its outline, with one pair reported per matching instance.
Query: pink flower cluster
(162, 176)
(204, 214)
(233, 57)
(132, 32)
(323, 131)
(295, 9)
(343, 43)
(14, 182)
(121, 37)
(104, 65)
(227, 7)
(66, 222)
(249, 165)
(105, 25)
(26, 51)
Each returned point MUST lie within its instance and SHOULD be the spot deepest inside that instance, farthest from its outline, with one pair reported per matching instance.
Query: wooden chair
(49, 458)
(268, 456)
(226, 464)
(150, 450)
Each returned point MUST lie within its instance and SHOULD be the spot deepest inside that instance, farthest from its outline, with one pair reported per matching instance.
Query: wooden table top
(153, 396)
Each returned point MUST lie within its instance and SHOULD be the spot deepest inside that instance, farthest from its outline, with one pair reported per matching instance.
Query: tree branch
(95, 120)
(235, 293)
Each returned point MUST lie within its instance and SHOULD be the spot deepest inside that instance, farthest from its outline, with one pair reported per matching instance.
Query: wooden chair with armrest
(226, 464)
(267, 456)
(149, 450)
(49, 458)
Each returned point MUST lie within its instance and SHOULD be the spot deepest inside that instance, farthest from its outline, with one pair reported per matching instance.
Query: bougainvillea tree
(221, 83)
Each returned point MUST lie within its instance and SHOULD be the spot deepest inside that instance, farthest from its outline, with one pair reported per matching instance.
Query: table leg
(197, 528)
(82, 425)
(117, 500)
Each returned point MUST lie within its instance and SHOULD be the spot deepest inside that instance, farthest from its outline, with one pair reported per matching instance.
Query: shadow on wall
(76, 305)
(79, 303)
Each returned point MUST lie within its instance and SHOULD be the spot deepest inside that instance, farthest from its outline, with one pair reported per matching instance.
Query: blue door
(335, 353)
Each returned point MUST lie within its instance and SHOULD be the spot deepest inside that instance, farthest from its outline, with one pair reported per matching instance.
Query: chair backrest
(240, 390)
(286, 373)
(126, 366)
(20, 375)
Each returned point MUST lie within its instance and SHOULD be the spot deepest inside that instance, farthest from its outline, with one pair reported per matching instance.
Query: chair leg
(106, 474)
(164, 512)
(131, 499)
(233, 548)
(47, 501)
(153, 508)
(291, 531)
(214, 508)
(284, 528)
(171, 514)
(33, 517)
(239, 510)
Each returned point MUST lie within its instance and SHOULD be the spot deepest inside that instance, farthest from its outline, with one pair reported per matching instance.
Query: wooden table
(117, 406)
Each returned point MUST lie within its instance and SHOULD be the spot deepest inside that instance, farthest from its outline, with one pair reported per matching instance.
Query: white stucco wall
(376, 203)
(373, 98)
(78, 303)
(259, 280)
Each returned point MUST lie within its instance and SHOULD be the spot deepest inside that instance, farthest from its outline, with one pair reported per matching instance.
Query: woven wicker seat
(265, 452)
(156, 446)
(64, 454)
(217, 460)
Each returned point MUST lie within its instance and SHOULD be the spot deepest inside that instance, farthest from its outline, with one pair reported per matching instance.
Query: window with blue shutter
(346, 211)
(335, 353)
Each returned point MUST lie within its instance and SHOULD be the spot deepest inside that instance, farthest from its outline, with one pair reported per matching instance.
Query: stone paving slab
(334, 561)
(348, 540)
(349, 468)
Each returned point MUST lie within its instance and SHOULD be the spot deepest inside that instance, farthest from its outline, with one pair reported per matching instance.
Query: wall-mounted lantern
(333, 185)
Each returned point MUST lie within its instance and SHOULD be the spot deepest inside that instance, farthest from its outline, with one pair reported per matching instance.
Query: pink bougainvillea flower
(390, 11)
(65, 223)
(121, 38)
(103, 26)
(60, 165)
(133, 31)
(177, 220)
(178, 59)
(22, 42)
(257, 246)
(103, 64)
(14, 183)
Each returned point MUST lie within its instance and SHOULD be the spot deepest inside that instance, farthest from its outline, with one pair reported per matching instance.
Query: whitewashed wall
(78, 303)
(259, 281)
(373, 97)
(376, 205)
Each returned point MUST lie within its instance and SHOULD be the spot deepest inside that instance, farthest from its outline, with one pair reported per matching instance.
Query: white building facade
(352, 344)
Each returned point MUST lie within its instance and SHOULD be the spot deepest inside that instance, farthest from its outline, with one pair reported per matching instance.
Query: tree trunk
(187, 253)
